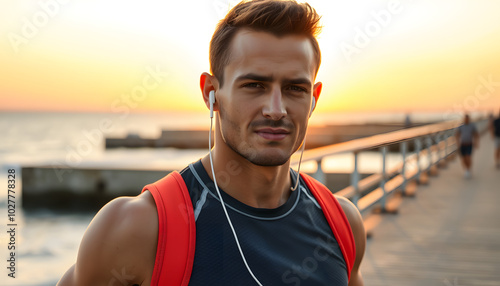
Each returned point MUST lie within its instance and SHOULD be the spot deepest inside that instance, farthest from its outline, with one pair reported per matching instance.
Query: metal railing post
(320, 175)
(446, 136)
(404, 145)
(429, 152)
(451, 135)
(439, 139)
(384, 178)
(418, 149)
(355, 180)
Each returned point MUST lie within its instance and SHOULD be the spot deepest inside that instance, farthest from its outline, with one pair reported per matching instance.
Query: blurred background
(99, 98)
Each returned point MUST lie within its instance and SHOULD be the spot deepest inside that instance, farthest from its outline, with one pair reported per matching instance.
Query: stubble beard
(250, 152)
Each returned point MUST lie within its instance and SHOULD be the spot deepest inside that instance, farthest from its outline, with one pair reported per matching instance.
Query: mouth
(273, 134)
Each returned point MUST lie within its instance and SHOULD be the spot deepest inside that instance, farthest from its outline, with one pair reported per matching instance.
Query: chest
(295, 249)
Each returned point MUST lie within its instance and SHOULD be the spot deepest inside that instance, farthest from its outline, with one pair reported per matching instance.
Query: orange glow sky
(427, 55)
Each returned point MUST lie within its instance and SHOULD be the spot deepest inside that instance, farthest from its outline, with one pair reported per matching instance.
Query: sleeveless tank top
(289, 245)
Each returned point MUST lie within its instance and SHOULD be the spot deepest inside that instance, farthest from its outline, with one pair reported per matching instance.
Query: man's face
(265, 102)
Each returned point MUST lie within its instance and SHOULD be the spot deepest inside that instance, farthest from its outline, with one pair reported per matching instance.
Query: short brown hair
(277, 17)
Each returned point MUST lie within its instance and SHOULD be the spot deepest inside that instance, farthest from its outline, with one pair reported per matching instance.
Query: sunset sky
(75, 55)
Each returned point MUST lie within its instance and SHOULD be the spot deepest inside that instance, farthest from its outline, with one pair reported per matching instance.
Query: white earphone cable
(224, 206)
(303, 147)
(298, 168)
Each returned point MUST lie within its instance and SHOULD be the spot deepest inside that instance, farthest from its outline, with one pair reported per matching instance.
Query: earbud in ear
(312, 106)
(211, 99)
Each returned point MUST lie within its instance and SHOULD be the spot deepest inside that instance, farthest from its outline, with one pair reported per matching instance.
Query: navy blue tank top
(289, 245)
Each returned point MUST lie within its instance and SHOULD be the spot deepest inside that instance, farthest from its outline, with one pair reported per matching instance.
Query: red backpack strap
(176, 231)
(336, 219)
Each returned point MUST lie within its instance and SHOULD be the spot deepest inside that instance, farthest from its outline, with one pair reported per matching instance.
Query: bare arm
(119, 246)
(358, 230)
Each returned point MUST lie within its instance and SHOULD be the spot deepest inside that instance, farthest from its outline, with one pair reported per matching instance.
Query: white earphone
(211, 99)
(313, 105)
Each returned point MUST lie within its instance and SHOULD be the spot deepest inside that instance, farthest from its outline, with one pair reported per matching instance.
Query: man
(264, 60)
(495, 132)
(467, 138)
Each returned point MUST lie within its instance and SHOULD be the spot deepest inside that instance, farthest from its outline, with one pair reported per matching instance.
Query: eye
(297, 88)
(252, 85)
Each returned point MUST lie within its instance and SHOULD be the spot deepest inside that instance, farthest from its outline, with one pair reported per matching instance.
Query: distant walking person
(495, 132)
(467, 139)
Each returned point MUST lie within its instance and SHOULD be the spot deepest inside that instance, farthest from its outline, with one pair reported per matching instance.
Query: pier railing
(431, 145)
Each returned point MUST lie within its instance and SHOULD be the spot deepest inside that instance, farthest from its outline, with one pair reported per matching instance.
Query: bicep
(110, 247)
(93, 262)
(359, 233)
(356, 279)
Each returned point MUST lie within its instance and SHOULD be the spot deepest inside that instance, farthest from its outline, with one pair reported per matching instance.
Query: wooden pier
(447, 235)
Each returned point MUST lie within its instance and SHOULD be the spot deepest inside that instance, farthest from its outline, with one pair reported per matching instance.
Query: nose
(275, 107)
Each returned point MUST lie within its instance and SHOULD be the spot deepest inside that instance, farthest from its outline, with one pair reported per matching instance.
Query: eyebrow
(256, 77)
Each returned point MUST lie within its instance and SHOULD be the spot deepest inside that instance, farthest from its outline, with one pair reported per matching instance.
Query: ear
(208, 83)
(316, 92)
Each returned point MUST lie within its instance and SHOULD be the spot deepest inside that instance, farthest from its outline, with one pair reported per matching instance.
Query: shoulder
(348, 207)
(125, 215)
(353, 216)
(121, 238)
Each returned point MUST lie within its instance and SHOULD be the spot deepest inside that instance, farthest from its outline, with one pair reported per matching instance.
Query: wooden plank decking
(447, 235)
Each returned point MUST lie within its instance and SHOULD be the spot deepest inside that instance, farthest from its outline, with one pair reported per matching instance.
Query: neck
(256, 186)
